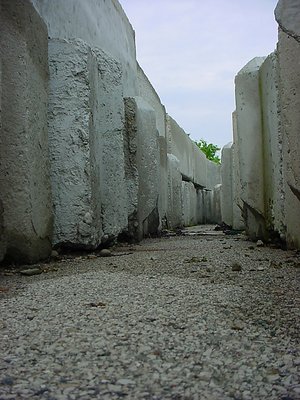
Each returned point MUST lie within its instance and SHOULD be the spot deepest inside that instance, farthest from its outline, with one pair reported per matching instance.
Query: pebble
(236, 267)
(31, 271)
(105, 253)
(54, 254)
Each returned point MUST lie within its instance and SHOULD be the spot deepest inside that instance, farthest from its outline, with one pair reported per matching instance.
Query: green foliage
(209, 150)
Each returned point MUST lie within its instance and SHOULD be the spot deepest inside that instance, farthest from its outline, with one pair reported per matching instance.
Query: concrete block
(272, 147)
(199, 166)
(143, 167)
(174, 212)
(227, 184)
(148, 93)
(100, 24)
(201, 212)
(192, 161)
(163, 191)
(237, 206)
(288, 14)
(85, 122)
(207, 201)
(189, 204)
(180, 145)
(213, 174)
(25, 194)
(250, 143)
(216, 212)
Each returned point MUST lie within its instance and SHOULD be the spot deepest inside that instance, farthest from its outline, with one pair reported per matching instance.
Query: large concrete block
(216, 209)
(227, 184)
(85, 122)
(192, 161)
(189, 204)
(143, 164)
(288, 17)
(174, 212)
(100, 24)
(272, 147)
(180, 145)
(199, 166)
(237, 219)
(25, 193)
(163, 191)
(148, 93)
(213, 174)
(250, 143)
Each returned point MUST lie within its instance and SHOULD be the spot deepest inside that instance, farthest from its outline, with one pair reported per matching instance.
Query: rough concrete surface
(148, 93)
(287, 15)
(289, 58)
(174, 211)
(25, 192)
(142, 162)
(250, 143)
(272, 145)
(227, 184)
(100, 24)
(238, 222)
(76, 217)
(202, 316)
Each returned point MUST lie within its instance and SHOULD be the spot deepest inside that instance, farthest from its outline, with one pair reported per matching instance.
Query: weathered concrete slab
(192, 161)
(238, 222)
(100, 24)
(25, 192)
(163, 191)
(250, 143)
(85, 122)
(272, 146)
(200, 166)
(189, 204)
(227, 183)
(288, 16)
(216, 212)
(213, 174)
(143, 167)
(149, 94)
(174, 212)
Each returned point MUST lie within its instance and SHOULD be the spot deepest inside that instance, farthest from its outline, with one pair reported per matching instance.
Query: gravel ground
(201, 316)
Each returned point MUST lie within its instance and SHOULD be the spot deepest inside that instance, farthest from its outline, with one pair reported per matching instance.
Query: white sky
(191, 51)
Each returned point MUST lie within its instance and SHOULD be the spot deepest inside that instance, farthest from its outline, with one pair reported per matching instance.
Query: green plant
(209, 150)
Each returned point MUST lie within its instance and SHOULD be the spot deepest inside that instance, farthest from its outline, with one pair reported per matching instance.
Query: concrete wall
(86, 122)
(238, 222)
(174, 210)
(148, 93)
(227, 184)
(288, 16)
(189, 204)
(25, 194)
(85, 140)
(250, 143)
(272, 146)
(143, 167)
(100, 24)
(265, 156)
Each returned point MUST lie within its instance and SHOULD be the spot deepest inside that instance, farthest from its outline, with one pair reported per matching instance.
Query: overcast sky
(191, 51)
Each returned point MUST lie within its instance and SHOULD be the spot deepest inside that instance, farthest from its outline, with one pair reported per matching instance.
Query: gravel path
(200, 316)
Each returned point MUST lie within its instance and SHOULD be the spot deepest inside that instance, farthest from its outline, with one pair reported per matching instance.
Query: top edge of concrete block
(287, 14)
(228, 145)
(252, 66)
